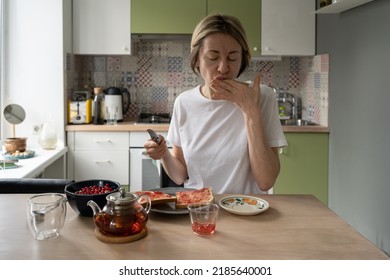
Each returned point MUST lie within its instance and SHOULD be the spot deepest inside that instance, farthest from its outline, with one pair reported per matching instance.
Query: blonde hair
(218, 23)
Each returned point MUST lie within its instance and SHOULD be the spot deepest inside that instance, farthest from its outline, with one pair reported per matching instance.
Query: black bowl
(78, 202)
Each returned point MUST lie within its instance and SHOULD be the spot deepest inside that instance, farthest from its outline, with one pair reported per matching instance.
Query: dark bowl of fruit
(79, 193)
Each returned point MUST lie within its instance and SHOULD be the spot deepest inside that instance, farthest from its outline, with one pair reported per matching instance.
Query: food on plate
(250, 201)
(157, 197)
(203, 195)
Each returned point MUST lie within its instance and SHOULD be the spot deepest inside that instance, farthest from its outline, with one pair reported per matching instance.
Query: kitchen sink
(296, 122)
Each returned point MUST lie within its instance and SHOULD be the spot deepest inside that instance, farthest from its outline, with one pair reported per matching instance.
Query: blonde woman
(225, 133)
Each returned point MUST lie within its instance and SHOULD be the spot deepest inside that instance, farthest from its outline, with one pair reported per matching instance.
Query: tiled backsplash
(158, 72)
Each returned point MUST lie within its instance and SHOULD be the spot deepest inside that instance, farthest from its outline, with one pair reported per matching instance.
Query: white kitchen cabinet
(99, 155)
(341, 6)
(101, 27)
(288, 27)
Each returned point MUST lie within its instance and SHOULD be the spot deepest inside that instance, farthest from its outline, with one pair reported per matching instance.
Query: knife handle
(154, 136)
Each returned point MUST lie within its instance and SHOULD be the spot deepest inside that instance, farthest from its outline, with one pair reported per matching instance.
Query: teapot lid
(121, 197)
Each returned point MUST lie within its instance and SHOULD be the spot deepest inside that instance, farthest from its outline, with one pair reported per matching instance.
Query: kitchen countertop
(32, 167)
(295, 227)
(134, 126)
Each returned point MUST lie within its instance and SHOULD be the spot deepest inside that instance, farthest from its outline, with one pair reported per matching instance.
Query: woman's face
(219, 57)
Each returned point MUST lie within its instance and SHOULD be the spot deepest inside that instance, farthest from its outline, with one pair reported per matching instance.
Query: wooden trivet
(120, 239)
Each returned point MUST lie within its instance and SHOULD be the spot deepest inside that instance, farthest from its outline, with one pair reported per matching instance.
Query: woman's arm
(175, 165)
(264, 160)
(172, 161)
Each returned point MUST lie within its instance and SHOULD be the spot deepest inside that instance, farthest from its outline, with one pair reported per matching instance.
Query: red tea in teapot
(123, 215)
(121, 225)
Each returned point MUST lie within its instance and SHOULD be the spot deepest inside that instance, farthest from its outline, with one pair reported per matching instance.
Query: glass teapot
(123, 215)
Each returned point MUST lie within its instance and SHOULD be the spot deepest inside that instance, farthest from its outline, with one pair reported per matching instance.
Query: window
(1, 57)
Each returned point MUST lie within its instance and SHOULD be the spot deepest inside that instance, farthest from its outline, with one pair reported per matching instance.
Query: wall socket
(36, 128)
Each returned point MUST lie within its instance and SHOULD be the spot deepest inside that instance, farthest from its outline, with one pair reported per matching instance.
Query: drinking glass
(46, 215)
(112, 115)
(203, 218)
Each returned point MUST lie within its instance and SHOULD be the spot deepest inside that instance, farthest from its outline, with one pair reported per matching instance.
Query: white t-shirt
(214, 141)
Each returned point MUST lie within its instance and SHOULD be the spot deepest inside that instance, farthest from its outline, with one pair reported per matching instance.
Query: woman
(225, 133)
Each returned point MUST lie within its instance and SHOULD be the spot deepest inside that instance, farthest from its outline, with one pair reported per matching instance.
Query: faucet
(286, 97)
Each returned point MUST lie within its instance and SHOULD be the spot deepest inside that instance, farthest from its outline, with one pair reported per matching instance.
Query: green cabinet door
(304, 166)
(248, 12)
(166, 16)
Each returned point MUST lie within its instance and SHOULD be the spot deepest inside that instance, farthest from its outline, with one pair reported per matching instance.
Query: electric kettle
(116, 101)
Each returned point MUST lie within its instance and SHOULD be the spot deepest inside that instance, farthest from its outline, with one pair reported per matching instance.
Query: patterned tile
(159, 49)
(294, 64)
(114, 63)
(86, 64)
(324, 63)
(189, 79)
(129, 78)
(99, 64)
(99, 79)
(174, 79)
(293, 79)
(144, 79)
(114, 79)
(159, 107)
(175, 64)
(144, 64)
(317, 80)
(158, 72)
(159, 64)
(177, 49)
(145, 49)
(159, 94)
(159, 79)
(129, 63)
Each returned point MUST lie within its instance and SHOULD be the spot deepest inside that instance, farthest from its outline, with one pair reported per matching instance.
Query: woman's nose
(223, 66)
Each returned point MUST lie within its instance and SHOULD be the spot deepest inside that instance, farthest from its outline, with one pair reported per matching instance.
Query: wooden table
(294, 227)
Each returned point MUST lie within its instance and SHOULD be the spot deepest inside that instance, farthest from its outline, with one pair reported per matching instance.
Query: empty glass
(112, 115)
(46, 215)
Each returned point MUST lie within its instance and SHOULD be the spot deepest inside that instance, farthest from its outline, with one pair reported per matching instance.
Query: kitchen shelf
(341, 6)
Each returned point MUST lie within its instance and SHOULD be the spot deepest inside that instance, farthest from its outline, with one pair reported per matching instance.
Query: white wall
(358, 43)
(35, 64)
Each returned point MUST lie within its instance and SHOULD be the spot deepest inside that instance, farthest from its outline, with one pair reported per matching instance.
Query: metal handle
(103, 141)
(102, 161)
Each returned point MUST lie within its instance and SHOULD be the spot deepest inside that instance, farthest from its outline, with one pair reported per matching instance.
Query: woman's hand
(154, 150)
(245, 97)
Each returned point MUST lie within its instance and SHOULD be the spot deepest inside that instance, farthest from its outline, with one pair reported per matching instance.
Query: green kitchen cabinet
(248, 12)
(274, 27)
(304, 165)
(166, 17)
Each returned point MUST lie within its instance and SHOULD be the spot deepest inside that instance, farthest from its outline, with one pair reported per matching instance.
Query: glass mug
(46, 215)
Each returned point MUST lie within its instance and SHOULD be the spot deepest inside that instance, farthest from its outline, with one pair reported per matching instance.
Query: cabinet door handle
(103, 141)
(102, 161)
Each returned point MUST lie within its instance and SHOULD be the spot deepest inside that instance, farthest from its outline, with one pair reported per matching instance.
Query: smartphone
(154, 136)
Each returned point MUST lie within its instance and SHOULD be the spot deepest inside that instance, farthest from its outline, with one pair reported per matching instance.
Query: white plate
(169, 208)
(243, 204)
